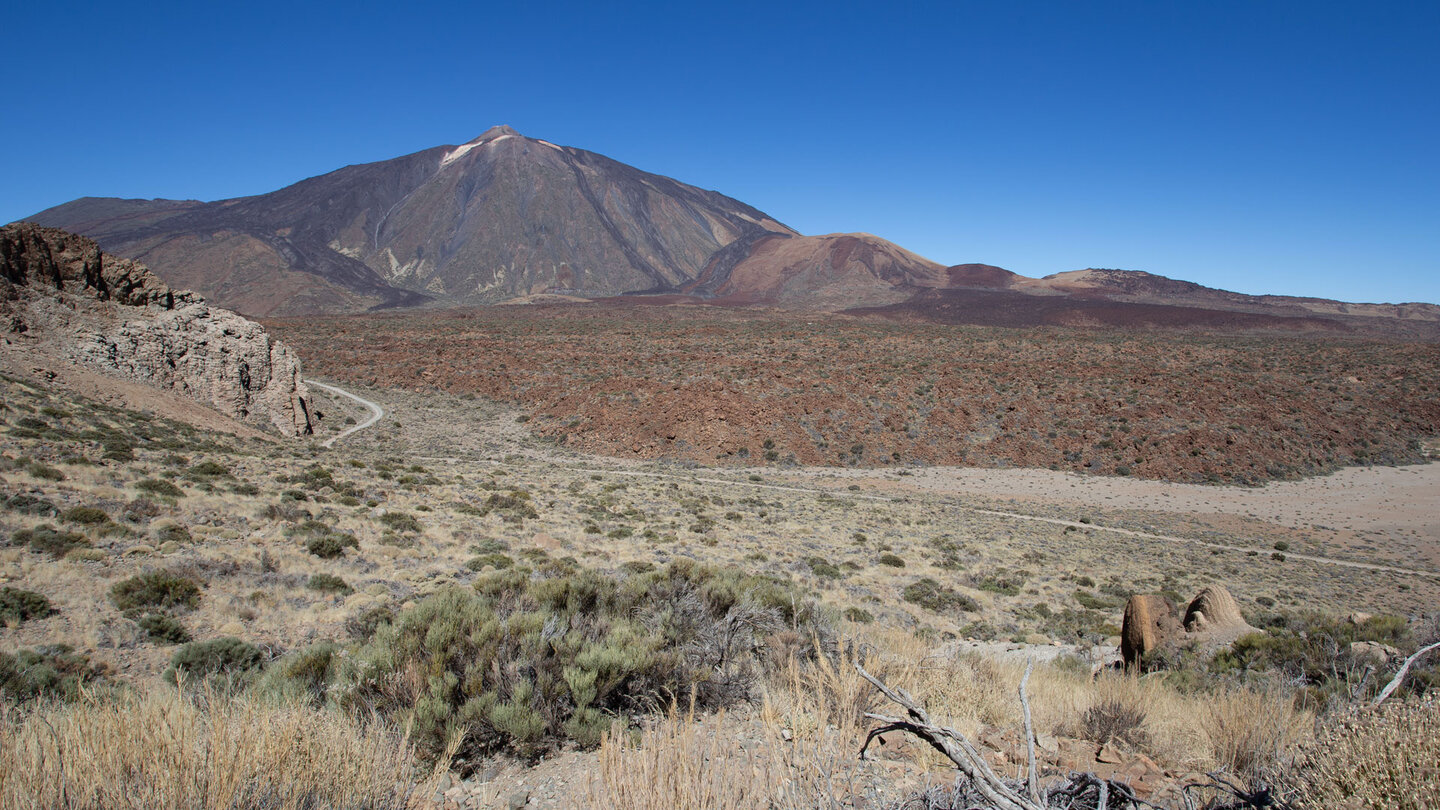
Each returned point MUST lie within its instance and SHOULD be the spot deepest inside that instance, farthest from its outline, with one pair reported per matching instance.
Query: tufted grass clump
(85, 516)
(569, 650)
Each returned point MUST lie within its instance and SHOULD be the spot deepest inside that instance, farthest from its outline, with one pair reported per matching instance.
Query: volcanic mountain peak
(499, 217)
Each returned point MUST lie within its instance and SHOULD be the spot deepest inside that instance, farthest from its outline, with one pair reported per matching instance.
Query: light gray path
(376, 412)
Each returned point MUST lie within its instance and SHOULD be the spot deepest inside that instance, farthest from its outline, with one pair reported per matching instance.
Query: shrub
(328, 583)
(567, 649)
(931, 595)
(85, 515)
(363, 625)
(31, 505)
(209, 469)
(823, 568)
(496, 560)
(159, 486)
(159, 590)
(163, 629)
(401, 522)
(18, 605)
(47, 539)
(55, 671)
(858, 615)
(330, 546)
(891, 560)
(228, 658)
(44, 471)
(173, 533)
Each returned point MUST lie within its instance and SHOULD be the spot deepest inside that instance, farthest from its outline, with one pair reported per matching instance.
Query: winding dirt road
(376, 412)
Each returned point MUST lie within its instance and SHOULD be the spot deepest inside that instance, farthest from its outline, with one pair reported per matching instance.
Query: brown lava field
(752, 388)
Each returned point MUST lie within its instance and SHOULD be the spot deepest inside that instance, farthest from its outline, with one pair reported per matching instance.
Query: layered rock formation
(1211, 620)
(61, 296)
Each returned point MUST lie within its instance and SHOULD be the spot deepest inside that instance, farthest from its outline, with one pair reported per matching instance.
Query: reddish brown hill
(835, 271)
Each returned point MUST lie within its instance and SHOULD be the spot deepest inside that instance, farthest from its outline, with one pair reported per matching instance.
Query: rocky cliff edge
(61, 296)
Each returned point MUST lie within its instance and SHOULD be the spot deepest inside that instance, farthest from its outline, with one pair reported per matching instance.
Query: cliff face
(60, 295)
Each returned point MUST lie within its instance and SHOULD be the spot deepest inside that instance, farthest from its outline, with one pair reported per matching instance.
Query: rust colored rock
(1150, 622)
(1213, 609)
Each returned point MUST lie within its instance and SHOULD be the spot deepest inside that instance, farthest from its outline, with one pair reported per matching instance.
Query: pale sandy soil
(1391, 512)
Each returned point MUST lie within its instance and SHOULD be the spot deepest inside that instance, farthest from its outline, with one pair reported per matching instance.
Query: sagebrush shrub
(18, 605)
(566, 649)
(47, 539)
(54, 671)
(158, 590)
(226, 658)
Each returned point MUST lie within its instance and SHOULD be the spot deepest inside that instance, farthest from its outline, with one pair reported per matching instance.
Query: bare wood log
(1032, 782)
(1404, 670)
(952, 744)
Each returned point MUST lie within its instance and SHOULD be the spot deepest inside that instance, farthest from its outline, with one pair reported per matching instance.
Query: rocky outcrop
(62, 296)
(1150, 623)
(1212, 610)
(1212, 620)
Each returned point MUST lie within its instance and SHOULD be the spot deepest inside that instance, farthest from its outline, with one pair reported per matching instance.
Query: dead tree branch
(1404, 670)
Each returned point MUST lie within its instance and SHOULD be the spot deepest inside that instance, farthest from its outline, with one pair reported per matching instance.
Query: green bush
(859, 615)
(31, 505)
(55, 671)
(44, 471)
(209, 469)
(401, 521)
(823, 568)
(161, 487)
(158, 590)
(228, 659)
(525, 659)
(85, 516)
(47, 539)
(495, 560)
(173, 533)
(931, 595)
(330, 546)
(18, 605)
(163, 629)
(328, 583)
(1313, 650)
(891, 560)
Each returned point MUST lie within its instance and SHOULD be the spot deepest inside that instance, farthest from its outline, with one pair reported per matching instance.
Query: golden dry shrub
(1388, 757)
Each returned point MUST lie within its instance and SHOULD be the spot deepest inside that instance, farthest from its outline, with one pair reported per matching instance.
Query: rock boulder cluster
(1152, 622)
(60, 295)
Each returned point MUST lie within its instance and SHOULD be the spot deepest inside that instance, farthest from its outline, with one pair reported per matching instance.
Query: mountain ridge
(508, 218)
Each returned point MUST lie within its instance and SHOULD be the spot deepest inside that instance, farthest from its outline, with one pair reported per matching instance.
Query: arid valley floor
(926, 565)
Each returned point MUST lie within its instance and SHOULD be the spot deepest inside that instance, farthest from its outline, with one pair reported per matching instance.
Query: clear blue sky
(1259, 146)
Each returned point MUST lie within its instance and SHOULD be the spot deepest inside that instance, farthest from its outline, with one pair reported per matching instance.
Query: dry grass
(162, 749)
(1386, 758)
(721, 762)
